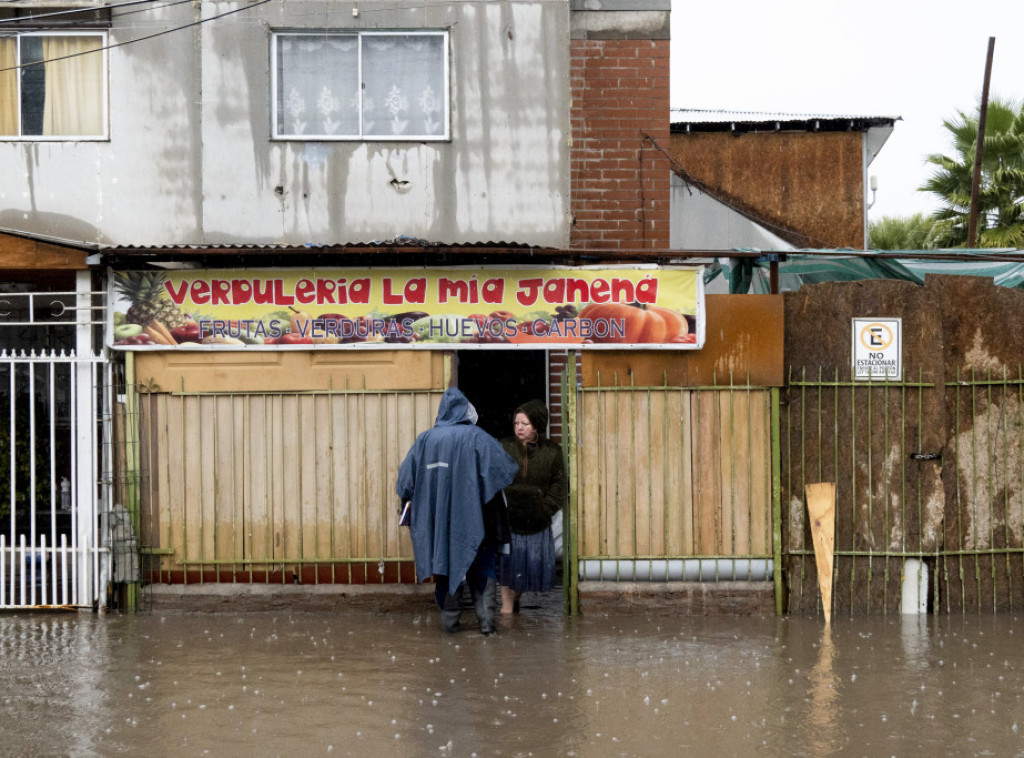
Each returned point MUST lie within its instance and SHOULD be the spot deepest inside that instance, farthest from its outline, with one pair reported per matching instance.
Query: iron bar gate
(52, 436)
(981, 566)
(929, 492)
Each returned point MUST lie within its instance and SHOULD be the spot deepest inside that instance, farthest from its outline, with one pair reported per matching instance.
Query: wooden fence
(674, 482)
(276, 487)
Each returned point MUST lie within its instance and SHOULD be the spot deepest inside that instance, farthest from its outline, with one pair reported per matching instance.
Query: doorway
(498, 381)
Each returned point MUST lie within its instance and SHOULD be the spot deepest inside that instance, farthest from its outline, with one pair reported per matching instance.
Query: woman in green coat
(535, 496)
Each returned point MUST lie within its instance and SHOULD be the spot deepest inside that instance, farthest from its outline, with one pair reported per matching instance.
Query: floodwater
(273, 684)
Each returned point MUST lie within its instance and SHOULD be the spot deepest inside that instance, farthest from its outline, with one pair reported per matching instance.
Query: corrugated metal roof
(398, 243)
(401, 249)
(701, 116)
(692, 120)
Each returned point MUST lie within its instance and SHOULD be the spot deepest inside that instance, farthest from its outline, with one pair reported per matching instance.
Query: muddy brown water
(278, 684)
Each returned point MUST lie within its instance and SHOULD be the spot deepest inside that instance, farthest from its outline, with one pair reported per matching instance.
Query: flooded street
(359, 684)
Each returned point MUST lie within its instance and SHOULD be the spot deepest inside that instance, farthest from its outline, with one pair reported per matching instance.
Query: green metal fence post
(777, 502)
(570, 550)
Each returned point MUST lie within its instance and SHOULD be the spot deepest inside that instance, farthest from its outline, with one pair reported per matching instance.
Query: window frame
(360, 35)
(104, 38)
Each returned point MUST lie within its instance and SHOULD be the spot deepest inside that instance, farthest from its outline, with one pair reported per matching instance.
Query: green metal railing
(924, 471)
(570, 557)
(665, 478)
(700, 505)
(222, 498)
(983, 568)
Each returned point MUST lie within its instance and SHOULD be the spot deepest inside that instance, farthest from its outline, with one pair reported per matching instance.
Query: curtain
(402, 92)
(8, 87)
(74, 87)
(318, 85)
(404, 83)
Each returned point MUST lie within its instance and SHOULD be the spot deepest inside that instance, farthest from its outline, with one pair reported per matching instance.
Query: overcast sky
(917, 59)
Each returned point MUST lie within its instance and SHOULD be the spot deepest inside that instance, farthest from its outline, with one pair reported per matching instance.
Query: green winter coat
(539, 489)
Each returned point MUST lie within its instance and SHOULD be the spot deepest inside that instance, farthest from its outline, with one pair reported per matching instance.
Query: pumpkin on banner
(641, 323)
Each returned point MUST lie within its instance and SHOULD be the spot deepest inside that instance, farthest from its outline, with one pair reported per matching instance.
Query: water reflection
(350, 684)
(914, 636)
(825, 727)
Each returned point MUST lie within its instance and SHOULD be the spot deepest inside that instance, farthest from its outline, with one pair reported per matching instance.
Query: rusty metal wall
(807, 182)
(927, 468)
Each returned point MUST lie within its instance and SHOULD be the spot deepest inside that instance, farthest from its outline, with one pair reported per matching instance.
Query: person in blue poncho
(453, 476)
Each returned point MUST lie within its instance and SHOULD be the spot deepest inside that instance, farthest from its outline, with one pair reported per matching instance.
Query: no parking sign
(877, 348)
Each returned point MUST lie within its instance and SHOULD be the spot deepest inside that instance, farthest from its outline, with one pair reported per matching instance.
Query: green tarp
(812, 267)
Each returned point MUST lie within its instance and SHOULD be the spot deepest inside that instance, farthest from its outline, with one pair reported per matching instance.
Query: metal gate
(929, 492)
(671, 484)
(52, 436)
(273, 487)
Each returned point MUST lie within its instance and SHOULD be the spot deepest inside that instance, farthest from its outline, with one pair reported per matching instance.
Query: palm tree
(1001, 193)
(902, 233)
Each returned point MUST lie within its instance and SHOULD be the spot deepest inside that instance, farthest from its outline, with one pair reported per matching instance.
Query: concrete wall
(701, 222)
(190, 159)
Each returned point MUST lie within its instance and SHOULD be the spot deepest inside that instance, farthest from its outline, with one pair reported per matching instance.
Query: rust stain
(979, 359)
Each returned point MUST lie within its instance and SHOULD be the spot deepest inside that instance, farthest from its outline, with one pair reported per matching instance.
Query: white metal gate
(53, 496)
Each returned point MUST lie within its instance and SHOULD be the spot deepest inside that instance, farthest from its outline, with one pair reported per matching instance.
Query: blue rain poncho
(448, 474)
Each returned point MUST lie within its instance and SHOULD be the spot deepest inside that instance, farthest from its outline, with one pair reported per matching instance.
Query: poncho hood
(455, 408)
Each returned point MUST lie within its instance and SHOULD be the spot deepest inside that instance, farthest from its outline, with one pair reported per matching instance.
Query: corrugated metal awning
(688, 121)
(770, 119)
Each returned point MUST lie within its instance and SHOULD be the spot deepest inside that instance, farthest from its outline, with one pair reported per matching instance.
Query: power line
(79, 11)
(155, 7)
(114, 6)
(137, 39)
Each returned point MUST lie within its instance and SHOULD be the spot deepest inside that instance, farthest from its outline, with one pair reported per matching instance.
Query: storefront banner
(618, 308)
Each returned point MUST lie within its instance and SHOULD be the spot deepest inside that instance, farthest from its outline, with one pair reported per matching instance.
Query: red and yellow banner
(549, 307)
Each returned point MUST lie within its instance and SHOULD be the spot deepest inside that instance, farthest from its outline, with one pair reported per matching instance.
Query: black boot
(483, 603)
(450, 614)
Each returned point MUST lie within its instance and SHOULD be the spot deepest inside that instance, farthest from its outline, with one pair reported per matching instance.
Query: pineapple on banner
(152, 317)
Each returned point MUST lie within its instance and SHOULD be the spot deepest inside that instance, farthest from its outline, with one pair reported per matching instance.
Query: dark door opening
(498, 381)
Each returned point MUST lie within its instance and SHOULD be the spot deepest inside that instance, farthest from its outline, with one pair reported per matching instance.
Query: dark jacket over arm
(539, 489)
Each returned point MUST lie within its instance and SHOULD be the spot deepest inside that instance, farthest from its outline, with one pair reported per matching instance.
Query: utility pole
(972, 218)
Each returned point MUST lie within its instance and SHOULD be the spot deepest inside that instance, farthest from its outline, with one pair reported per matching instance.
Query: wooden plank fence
(672, 474)
(277, 487)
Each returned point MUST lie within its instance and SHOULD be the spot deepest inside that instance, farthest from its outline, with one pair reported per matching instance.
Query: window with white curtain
(360, 86)
(53, 86)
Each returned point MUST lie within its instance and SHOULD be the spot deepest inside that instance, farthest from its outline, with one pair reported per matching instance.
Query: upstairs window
(360, 86)
(53, 86)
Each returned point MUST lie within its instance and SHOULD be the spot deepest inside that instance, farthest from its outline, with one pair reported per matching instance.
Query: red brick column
(557, 360)
(619, 178)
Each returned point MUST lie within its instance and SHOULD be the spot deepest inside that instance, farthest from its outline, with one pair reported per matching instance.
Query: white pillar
(84, 484)
(914, 597)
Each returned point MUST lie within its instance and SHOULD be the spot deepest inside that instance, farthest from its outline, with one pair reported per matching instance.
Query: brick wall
(620, 122)
(557, 360)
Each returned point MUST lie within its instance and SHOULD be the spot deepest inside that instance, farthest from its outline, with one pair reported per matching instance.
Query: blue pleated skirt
(531, 565)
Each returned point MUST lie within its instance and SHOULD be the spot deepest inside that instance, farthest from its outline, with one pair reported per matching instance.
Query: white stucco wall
(699, 222)
(190, 159)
